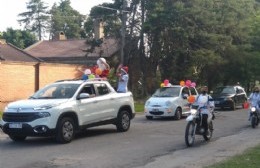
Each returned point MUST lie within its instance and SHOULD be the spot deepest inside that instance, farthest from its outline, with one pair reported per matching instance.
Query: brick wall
(19, 80)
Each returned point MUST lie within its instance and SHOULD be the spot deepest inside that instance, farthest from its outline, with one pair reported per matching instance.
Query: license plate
(155, 110)
(15, 125)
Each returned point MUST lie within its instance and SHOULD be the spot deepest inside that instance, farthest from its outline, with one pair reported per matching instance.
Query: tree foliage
(36, 17)
(19, 38)
(66, 19)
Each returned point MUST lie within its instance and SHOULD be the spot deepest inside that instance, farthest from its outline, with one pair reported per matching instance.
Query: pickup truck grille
(19, 117)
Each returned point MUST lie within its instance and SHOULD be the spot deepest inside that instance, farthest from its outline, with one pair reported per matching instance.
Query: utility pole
(124, 17)
(123, 27)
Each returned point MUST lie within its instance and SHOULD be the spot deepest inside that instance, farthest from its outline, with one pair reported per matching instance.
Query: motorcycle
(196, 126)
(254, 118)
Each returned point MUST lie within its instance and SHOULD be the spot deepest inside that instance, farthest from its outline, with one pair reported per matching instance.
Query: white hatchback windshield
(167, 92)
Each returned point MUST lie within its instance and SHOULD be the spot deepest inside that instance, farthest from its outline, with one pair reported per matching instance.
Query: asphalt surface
(198, 156)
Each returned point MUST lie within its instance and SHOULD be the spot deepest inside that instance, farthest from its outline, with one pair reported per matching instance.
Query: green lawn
(139, 106)
(249, 159)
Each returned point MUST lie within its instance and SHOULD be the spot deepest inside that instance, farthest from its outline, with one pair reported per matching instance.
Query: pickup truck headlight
(43, 107)
(43, 114)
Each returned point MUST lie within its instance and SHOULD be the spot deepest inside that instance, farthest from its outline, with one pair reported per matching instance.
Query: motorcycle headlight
(193, 111)
(253, 109)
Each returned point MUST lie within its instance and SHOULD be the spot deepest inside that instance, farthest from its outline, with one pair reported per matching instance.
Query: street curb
(2, 135)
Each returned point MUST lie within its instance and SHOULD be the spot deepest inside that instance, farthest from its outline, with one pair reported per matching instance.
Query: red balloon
(166, 82)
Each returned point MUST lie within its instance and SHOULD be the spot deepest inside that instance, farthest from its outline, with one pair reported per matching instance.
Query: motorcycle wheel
(253, 121)
(208, 134)
(190, 134)
(257, 121)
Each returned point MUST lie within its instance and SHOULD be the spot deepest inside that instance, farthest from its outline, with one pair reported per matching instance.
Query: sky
(11, 8)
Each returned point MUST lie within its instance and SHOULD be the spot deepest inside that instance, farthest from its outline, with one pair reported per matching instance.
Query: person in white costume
(206, 105)
(254, 98)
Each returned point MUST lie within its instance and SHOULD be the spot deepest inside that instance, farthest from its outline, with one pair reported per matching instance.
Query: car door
(240, 95)
(105, 101)
(88, 107)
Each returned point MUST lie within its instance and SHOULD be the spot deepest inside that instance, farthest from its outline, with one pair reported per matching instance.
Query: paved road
(149, 144)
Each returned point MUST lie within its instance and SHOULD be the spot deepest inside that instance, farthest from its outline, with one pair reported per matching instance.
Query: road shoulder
(211, 152)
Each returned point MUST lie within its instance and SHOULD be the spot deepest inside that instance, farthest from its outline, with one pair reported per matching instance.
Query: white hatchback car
(170, 102)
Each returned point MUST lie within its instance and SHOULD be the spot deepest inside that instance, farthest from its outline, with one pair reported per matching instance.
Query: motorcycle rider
(206, 105)
(254, 99)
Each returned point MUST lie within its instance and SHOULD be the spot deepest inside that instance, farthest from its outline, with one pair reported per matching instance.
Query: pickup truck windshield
(56, 91)
(167, 92)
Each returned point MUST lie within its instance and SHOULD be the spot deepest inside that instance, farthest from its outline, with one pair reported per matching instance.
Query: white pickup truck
(63, 108)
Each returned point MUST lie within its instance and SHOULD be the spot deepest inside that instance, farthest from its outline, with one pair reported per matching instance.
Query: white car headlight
(147, 103)
(168, 103)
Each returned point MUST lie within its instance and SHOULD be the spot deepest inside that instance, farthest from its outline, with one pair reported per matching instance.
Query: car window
(239, 90)
(193, 91)
(102, 88)
(185, 91)
(167, 92)
(89, 88)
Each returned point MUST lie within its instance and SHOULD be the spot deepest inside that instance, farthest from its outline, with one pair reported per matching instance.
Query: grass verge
(249, 159)
(139, 106)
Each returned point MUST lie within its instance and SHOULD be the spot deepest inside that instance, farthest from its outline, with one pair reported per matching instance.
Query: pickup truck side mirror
(83, 96)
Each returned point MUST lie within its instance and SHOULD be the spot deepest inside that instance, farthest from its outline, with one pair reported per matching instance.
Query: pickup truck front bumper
(28, 130)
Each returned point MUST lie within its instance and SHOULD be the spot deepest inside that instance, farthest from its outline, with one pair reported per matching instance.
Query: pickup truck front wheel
(65, 130)
(123, 121)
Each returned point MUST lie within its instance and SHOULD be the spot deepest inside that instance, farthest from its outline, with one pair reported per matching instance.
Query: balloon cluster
(165, 83)
(88, 74)
(188, 83)
(101, 70)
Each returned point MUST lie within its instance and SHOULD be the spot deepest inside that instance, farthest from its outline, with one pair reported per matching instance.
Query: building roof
(9, 52)
(72, 48)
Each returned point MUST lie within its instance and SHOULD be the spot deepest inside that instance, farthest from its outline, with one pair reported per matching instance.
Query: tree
(65, 18)
(193, 39)
(19, 38)
(36, 18)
